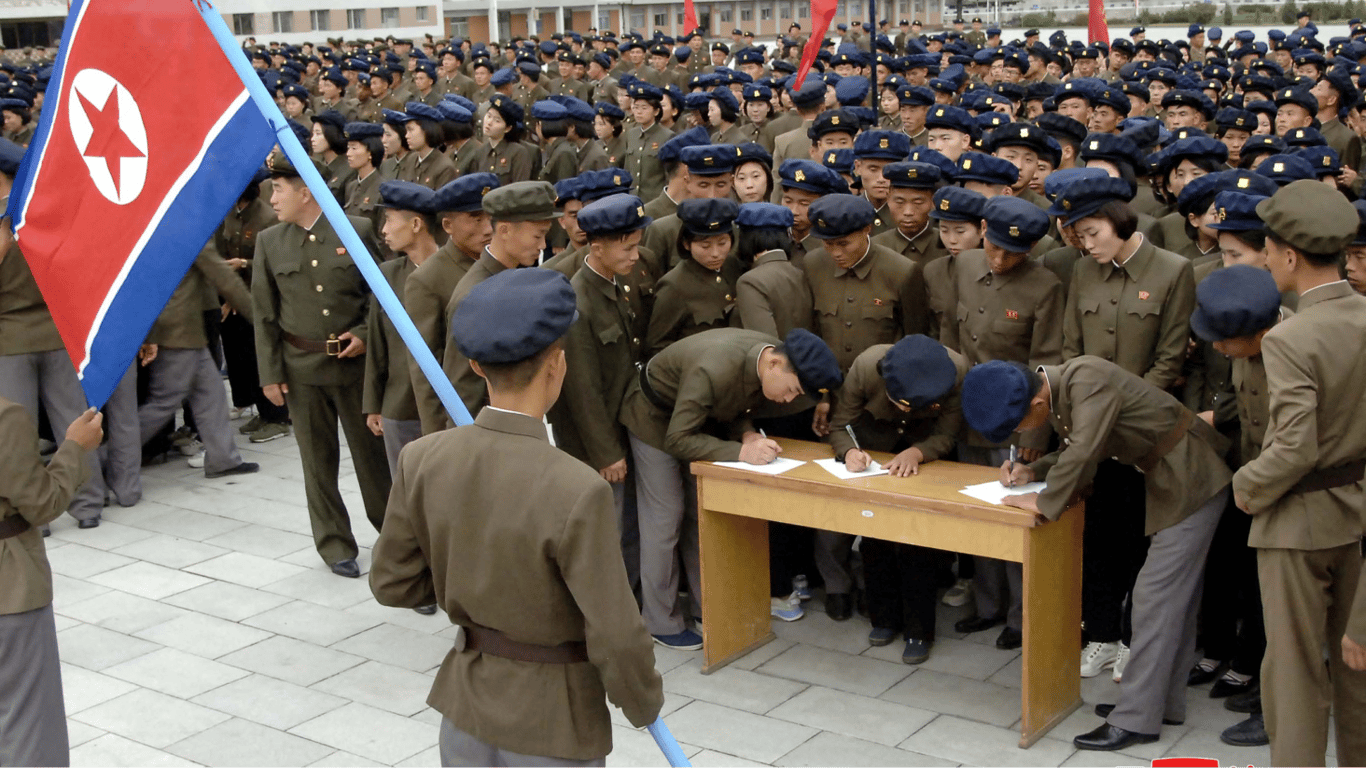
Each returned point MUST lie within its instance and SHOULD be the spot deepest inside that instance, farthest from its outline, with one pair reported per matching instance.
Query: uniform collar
(768, 257)
(1137, 264)
(862, 267)
(1326, 292)
(511, 423)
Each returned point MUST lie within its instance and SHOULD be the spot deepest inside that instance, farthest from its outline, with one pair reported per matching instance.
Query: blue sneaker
(687, 640)
(881, 636)
(916, 651)
(786, 609)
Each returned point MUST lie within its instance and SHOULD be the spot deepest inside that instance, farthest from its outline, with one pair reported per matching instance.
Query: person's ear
(474, 366)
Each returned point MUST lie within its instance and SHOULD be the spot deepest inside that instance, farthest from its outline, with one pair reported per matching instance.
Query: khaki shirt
(425, 296)
(469, 385)
(1102, 411)
(388, 388)
(40, 494)
(1060, 262)
(691, 299)
(661, 207)
(1316, 422)
(941, 276)
(509, 160)
(545, 570)
(25, 323)
(773, 297)
(877, 301)
(642, 159)
(181, 322)
(923, 248)
(467, 158)
(592, 156)
(1137, 317)
(434, 171)
(882, 426)
(363, 200)
(561, 161)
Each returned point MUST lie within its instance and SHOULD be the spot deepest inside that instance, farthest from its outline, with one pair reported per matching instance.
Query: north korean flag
(147, 138)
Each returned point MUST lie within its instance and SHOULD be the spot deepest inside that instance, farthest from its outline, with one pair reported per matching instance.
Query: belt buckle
(334, 347)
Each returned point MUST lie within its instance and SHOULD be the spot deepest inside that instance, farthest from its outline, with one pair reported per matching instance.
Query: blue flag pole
(336, 216)
(667, 744)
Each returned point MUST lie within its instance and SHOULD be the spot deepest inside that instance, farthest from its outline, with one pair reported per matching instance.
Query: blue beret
(293, 89)
(1323, 159)
(709, 159)
(749, 56)
(358, 131)
(751, 152)
(1086, 196)
(335, 75)
(567, 189)
(764, 216)
(419, 111)
(10, 156)
(810, 94)
(833, 121)
(426, 68)
(548, 110)
(408, 196)
(1304, 137)
(839, 160)
(1194, 29)
(918, 371)
(577, 109)
(975, 166)
(908, 175)
(817, 369)
(852, 90)
(996, 397)
(596, 185)
(758, 93)
(708, 216)
(643, 90)
(503, 77)
(529, 68)
(947, 168)
(466, 194)
(725, 97)
(811, 176)
(609, 110)
(1235, 301)
(953, 118)
(395, 118)
(1031, 137)
(1057, 181)
(1284, 169)
(957, 204)
(833, 216)
(486, 331)
(1261, 143)
(1187, 98)
(454, 112)
(1114, 149)
(331, 117)
(914, 96)
(363, 79)
(615, 214)
(508, 107)
(1198, 194)
(682, 53)
(1232, 118)
(549, 47)
(1298, 96)
(1237, 211)
(697, 102)
(670, 151)
(884, 145)
(1014, 223)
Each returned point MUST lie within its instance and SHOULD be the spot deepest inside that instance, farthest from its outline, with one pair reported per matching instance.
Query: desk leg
(735, 599)
(1052, 625)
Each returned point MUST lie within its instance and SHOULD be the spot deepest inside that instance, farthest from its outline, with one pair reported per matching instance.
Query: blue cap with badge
(1234, 302)
(710, 159)
(810, 176)
(1057, 181)
(1014, 224)
(704, 217)
(671, 150)
(996, 397)
(615, 214)
(548, 110)
(818, 371)
(918, 372)
(486, 332)
(358, 131)
(834, 216)
(1284, 169)
(466, 194)
(957, 204)
(502, 77)
(947, 168)
(764, 216)
(1237, 211)
(840, 161)
(408, 196)
(882, 145)
(952, 118)
(454, 112)
(1323, 159)
(1086, 196)
(909, 175)
(567, 190)
(419, 111)
(975, 166)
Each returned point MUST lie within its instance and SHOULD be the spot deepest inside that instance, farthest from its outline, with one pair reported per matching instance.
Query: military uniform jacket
(1344, 141)
(602, 349)
(604, 90)
(546, 569)
(572, 86)
(1101, 411)
(712, 379)
(388, 388)
(25, 323)
(467, 158)
(773, 297)
(349, 108)
(923, 248)
(425, 295)
(509, 160)
(735, 135)
(661, 207)
(787, 146)
(1060, 262)
(641, 159)
(181, 322)
(397, 167)
(40, 495)
(877, 301)
(435, 170)
(691, 299)
(1208, 376)
(369, 111)
(340, 178)
(591, 157)
(616, 151)
(468, 384)
(1016, 317)
(363, 200)
(1254, 400)
(561, 161)
(305, 283)
(1137, 316)
(1316, 422)
(881, 426)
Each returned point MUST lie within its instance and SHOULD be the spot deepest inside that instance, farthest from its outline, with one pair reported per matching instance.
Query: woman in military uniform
(506, 156)
(753, 174)
(722, 115)
(430, 166)
(18, 121)
(329, 145)
(607, 124)
(364, 152)
(395, 141)
(699, 293)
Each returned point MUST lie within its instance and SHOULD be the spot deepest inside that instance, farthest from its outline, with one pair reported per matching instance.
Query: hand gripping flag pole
(335, 216)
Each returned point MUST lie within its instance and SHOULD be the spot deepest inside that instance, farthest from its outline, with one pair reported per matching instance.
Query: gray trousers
(178, 374)
(668, 529)
(1166, 601)
(396, 435)
(47, 379)
(121, 454)
(32, 711)
(997, 584)
(461, 749)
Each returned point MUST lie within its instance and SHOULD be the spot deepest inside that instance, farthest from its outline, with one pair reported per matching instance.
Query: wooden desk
(734, 507)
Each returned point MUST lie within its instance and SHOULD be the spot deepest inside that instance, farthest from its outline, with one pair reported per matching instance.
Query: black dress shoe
(1111, 738)
(1249, 733)
(1104, 710)
(838, 606)
(347, 568)
(1225, 688)
(1009, 639)
(1199, 676)
(426, 610)
(245, 468)
(46, 531)
(1247, 703)
(93, 522)
(976, 624)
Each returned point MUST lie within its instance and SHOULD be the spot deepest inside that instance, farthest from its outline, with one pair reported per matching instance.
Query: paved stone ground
(200, 627)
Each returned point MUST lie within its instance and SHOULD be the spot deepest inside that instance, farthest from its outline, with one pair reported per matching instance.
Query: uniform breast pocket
(1146, 311)
(877, 309)
(285, 267)
(1089, 305)
(1012, 329)
(711, 314)
(610, 335)
(828, 306)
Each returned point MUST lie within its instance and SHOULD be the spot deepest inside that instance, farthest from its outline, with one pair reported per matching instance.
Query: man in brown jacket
(549, 629)
(32, 712)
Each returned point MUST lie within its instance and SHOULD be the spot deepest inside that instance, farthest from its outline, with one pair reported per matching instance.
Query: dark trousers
(902, 585)
(1113, 549)
(790, 546)
(1231, 613)
(239, 349)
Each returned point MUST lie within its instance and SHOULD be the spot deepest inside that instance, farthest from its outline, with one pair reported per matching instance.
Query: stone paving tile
(321, 586)
(78, 733)
(753, 737)
(170, 551)
(851, 715)
(245, 570)
(176, 673)
(386, 687)
(270, 702)
(972, 743)
(244, 743)
(834, 749)
(291, 660)
(633, 747)
(109, 536)
(68, 592)
(121, 612)
(398, 646)
(262, 541)
(818, 666)
(311, 623)
(113, 751)
(954, 657)
(203, 635)
(731, 687)
(341, 759)
(83, 689)
(188, 524)
(371, 733)
(153, 582)
(151, 718)
(79, 561)
(427, 758)
(227, 601)
(96, 648)
(953, 695)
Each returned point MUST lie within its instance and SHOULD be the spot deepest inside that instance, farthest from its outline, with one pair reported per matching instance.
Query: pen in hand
(1014, 454)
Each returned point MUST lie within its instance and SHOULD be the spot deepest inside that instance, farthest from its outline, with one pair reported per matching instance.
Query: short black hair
(554, 128)
(374, 146)
(518, 375)
(1120, 216)
(336, 140)
(432, 130)
(753, 242)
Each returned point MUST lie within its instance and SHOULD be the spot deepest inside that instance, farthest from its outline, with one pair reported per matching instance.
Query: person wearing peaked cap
(909, 199)
(771, 296)
(332, 95)
(915, 101)
(521, 213)
(364, 154)
(1021, 145)
(984, 174)
(949, 130)
(388, 402)
(425, 137)
(698, 293)
(872, 151)
(840, 161)
(706, 172)
(317, 361)
(523, 356)
(1325, 162)
(1285, 169)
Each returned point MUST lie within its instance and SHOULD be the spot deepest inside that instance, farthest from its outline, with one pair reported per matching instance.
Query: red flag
(689, 16)
(1096, 29)
(822, 13)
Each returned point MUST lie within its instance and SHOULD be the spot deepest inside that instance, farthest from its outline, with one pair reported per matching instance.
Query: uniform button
(1109, 330)
(1110, 357)
(635, 341)
(900, 431)
(718, 278)
(981, 310)
(848, 348)
(848, 324)
(326, 312)
(626, 288)
(320, 289)
(312, 238)
(1256, 423)
(728, 297)
(1254, 391)
(849, 299)
(315, 262)
(974, 337)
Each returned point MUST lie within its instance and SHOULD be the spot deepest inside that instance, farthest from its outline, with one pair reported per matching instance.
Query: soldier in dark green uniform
(607, 125)
(397, 158)
(310, 303)
(430, 166)
(329, 145)
(697, 294)
(331, 96)
(772, 296)
(505, 155)
(644, 139)
(364, 151)
(561, 157)
(909, 200)
(872, 151)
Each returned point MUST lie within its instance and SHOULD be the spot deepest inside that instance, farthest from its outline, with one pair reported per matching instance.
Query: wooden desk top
(935, 489)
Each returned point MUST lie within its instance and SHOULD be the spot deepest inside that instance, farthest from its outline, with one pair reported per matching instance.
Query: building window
(904, 6)
(661, 19)
(282, 21)
(857, 9)
(423, 13)
(388, 18)
(320, 21)
(244, 23)
(839, 8)
(604, 20)
(460, 27)
(803, 10)
(727, 15)
(637, 19)
(747, 14)
(355, 18)
(785, 10)
(679, 16)
(765, 13)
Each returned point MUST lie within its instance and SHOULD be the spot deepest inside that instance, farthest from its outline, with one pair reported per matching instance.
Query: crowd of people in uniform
(1130, 270)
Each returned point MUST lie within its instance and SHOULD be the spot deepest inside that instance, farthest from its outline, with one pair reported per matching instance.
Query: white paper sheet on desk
(776, 467)
(995, 493)
(836, 468)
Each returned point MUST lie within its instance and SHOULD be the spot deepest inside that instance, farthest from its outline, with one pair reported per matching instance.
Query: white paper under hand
(837, 468)
(995, 493)
(775, 467)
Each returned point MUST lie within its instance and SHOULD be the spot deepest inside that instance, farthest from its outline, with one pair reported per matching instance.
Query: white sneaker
(786, 608)
(242, 413)
(190, 448)
(1096, 657)
(959, 594)
(1120, 660)
(196, 461)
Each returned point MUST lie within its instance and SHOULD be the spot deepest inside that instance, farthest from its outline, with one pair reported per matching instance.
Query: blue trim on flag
(227, 168)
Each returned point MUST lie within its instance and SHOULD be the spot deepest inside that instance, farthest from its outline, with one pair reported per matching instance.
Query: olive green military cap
(279, 164)
(1311, 216)
(523, 201)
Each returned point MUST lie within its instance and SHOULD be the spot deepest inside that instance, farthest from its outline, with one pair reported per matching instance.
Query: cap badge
(1244, 183)
(967, 164)
(616, 179)
(820, 222)
(1067, 205)
(799, 176)
(823, 390)
(944, 204)
(1278, 168)
(882, 144)
(830, 159)
(708, 160)
(912, 173)
(1095, 145)
(1024, 133)
(1327, 160)
(1223, 213)
(834, 119)
(640, 210)
(1014, 231)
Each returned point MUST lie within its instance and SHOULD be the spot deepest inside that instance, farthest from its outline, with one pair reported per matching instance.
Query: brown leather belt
(1167, 443)
(13, 526)
(495, 643)
(331, 347)
(1332, 477)
(649, 391)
